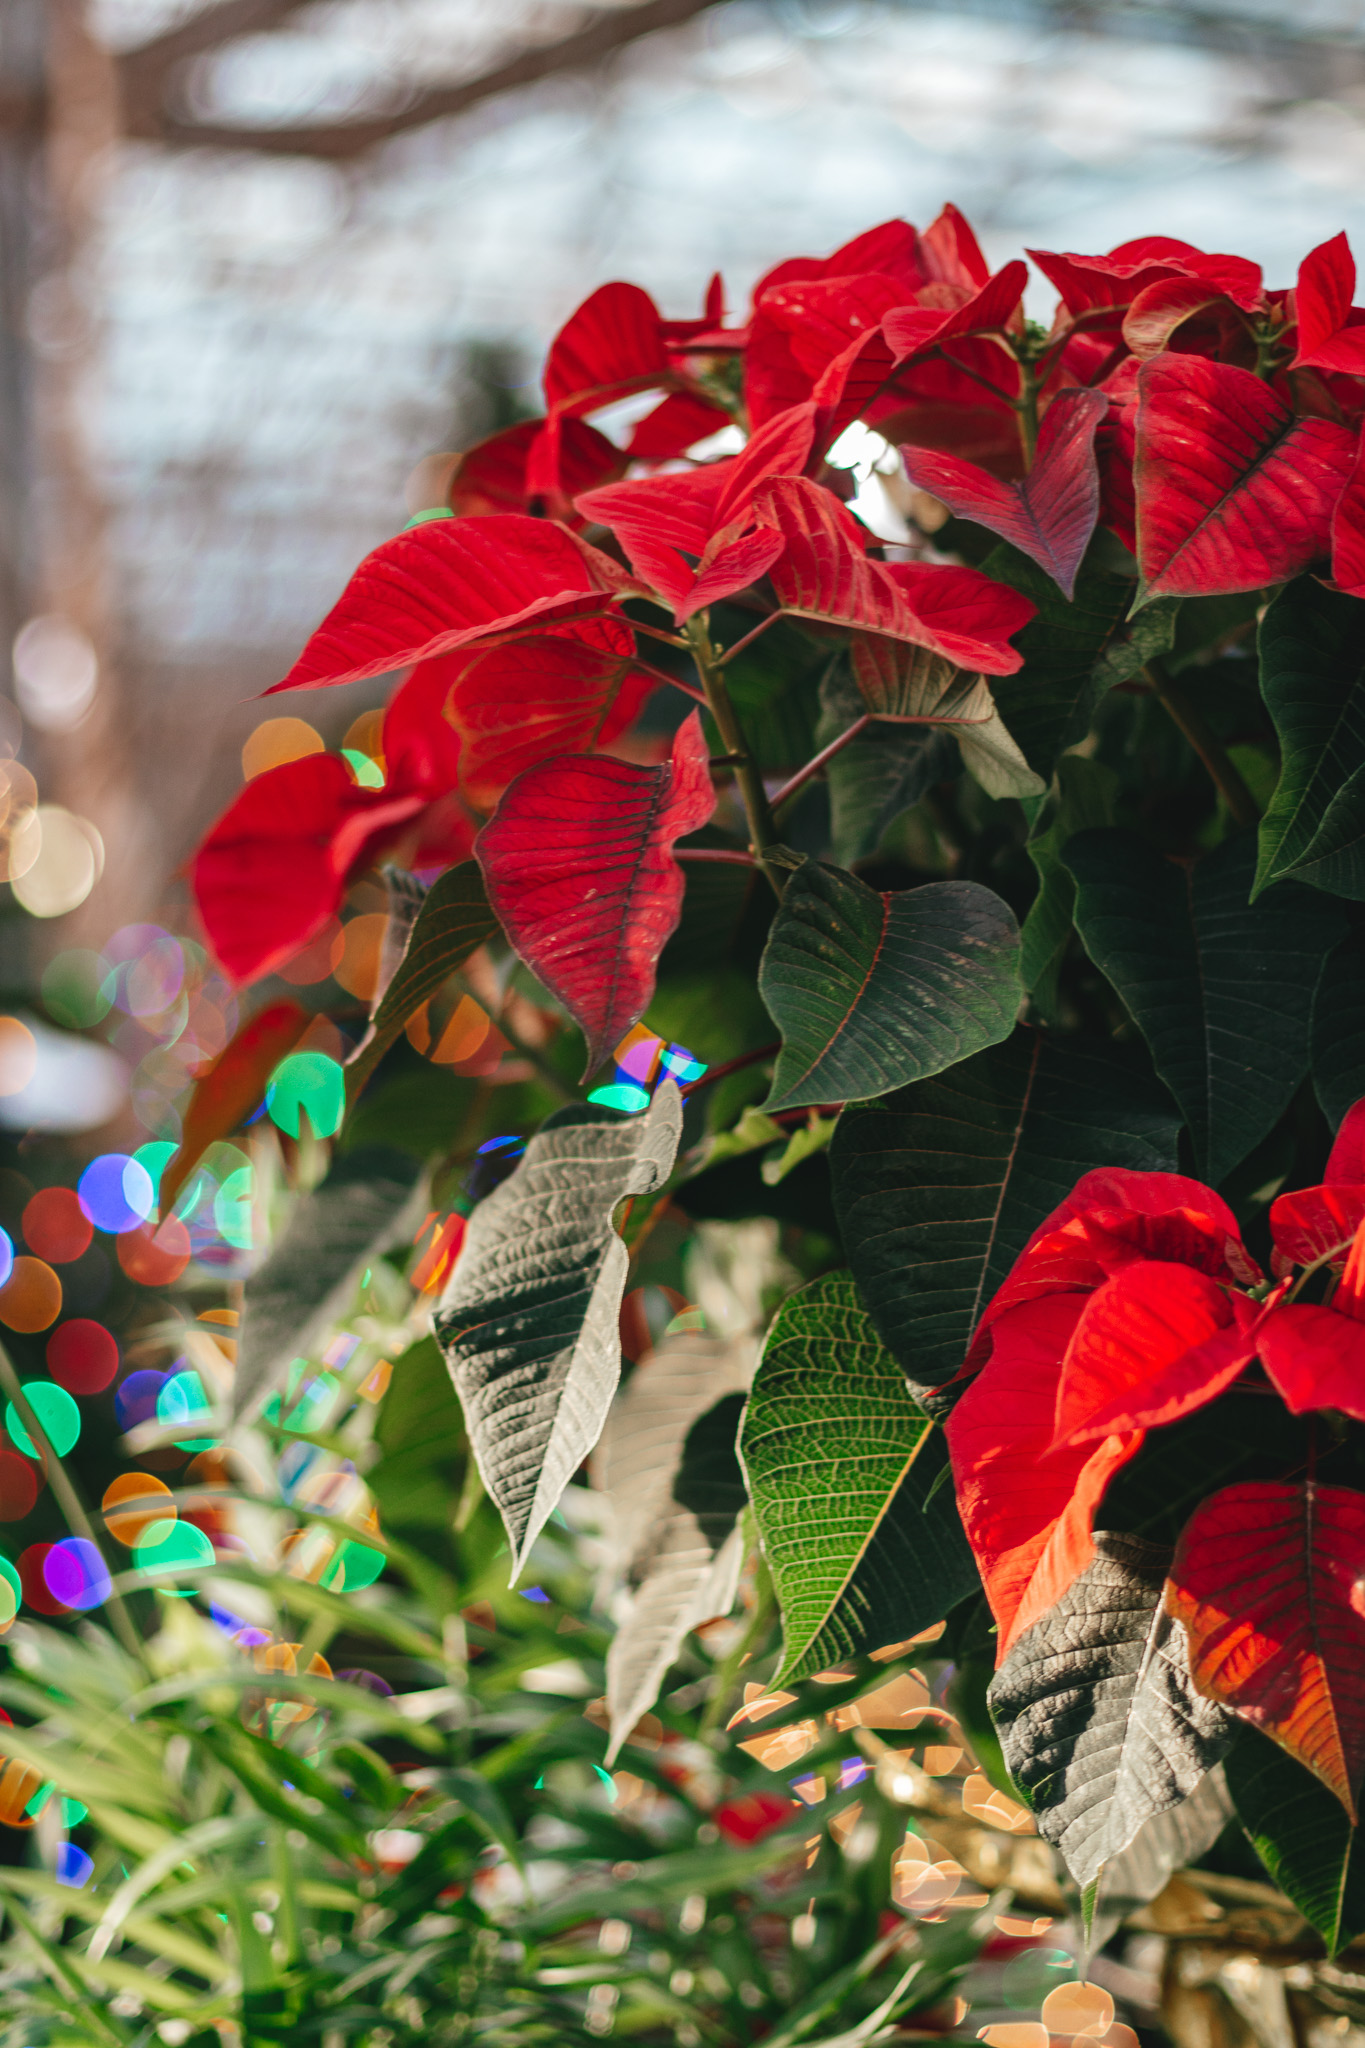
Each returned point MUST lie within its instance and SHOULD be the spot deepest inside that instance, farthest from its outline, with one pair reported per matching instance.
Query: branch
(600, 37)
(145, 72)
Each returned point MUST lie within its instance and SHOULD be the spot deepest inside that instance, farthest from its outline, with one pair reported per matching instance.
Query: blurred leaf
(232, 1088)
(453, 922)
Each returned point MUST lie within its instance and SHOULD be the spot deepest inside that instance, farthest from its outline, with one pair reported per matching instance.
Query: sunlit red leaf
(991, 309)
(1112, 1219)
(1329, 337)
(491, 476)
(274, 868)
(774, 377)
(950, 253)
(1153, 1343)
(1050, 514)
(1233, 490)
(1027, 1507)
(1348, 529)
(824, 573)
(613, 343)
(579, 867)
(1267, 1581)
(448, 583)
(233, 1087)
(519, 703)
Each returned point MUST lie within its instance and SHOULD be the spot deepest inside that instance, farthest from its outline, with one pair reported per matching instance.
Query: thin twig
(803, 775)
(721, 660)
(762, 830)
(745, 1059)
(1226, 775)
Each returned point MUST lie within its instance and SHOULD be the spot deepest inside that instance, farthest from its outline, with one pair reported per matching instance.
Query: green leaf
(1086, 796)
(938, 1188)
(850, 1486)
(871, 991)
(529, 1322)
(369, 1200)
(1221, 989)
(453, 922)
(880, 774)
(1302, 1835)
(1313, 682)
(1098, 1716)
(420, 1433)
(1338, 1031)
(910, 685)
(1072, 653)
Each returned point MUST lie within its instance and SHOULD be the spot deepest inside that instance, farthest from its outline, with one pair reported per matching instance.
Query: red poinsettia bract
(1133, 1305)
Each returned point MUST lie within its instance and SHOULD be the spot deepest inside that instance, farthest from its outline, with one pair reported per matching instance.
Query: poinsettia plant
(953, 727)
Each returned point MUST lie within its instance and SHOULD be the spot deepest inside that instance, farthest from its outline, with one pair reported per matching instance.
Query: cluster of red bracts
(1134, 1304)
(1213, 426)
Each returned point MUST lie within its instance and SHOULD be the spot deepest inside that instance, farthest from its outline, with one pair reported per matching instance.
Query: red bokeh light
(82, 1356)
(155, 1257)
(20, 1480)
(56, 1227)
(30, 1568)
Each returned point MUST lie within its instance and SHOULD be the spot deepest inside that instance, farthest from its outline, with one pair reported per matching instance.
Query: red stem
(731, 855)
(803, 775)
(746, 1059)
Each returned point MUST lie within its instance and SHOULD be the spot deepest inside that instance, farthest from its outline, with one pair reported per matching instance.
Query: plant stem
(813, 767)
(1226, 776)
(725, 1678)
(745, 1059)
(762, 830)
(68, 1499)
(730, 854)
(1026, 412)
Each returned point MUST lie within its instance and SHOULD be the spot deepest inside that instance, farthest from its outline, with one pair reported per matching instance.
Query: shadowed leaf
(1300, 1833)
(452, 923)
(233, 1088)
(1313, 682)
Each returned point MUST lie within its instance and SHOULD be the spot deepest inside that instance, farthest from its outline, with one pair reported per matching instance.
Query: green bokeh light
(308, 1410)
(232, 1209)
(355, 1565)
(58, 1417)
(78, 989)
(156, 1155)
(309, 1083)
(182, 1549)
(183, 1399)
(11, 1592)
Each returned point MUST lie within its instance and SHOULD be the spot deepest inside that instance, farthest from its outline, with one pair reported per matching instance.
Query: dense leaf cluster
(1021, 794)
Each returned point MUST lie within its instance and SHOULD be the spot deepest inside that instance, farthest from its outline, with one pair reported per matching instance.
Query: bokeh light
(68, 863)
(183, 1399)
(155, 1255)
(277, 740)
(311, 1084)
(637, 1056)
(232, 1208)
(18, 802)
(152, 982)
(75, 1574)
(137, 1504)
(137, 1397)
(82, 1356)
(56, 1227)
(74, 1867)
(6, 1257)
(18, 1055)
(58, 1417)
(11, 1595)
(362, 943)
(367, 772)
(306, 1402)
(31, 1298)
(622, 1095)
(37, 1593)
(116, 1191)
(20, 1482)
(315, 961)
(163, 1555)
(77, 988)
(155, 1157)
(355, 1566)
(56, 672)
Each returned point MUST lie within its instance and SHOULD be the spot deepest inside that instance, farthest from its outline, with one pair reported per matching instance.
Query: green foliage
(1306, 1842)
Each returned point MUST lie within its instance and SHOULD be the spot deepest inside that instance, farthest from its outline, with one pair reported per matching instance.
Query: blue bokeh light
(116, 1192)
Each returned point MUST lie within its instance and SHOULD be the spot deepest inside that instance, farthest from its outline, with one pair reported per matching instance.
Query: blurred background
(258, 259)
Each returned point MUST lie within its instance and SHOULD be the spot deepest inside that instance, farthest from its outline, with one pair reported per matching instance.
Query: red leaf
(671, 429)
(613, 344)
(1233, 491)
(1051, 513)
(491, 476)
(517, 704)
(950, 252)
(1093, 284)
(225, 1096)
(1160, 309)
(1027, 1506)
(991, 309)
(1315, 1357)
(1316, 1223)
(1346, 1160)
(1154, 1343)
(1112, 1219)
(1328, 339)
(579, 868)
(1267, 1581)
(274, 868)
(1348, 530)
(450, 582)
(824, 573)
(821, 316)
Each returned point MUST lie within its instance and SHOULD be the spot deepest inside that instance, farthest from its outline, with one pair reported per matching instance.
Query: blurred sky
(283, 339)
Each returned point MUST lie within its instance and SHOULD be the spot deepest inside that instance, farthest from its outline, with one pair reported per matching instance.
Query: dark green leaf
(421, 1436)
(880, 774)
(529, 1322)
(849, 1484)
(1098, 1716)
(453, 922)
(938, 1189)
(1302, 1835)
(668, 1465)
(1222, 990)
(871, 991)
(1072, 653)
(1087, 792)
(1338, 1032)
(369, 1200)
(1313, 681)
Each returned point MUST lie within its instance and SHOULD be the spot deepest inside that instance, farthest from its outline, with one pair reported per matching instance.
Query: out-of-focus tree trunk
(21, 85)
